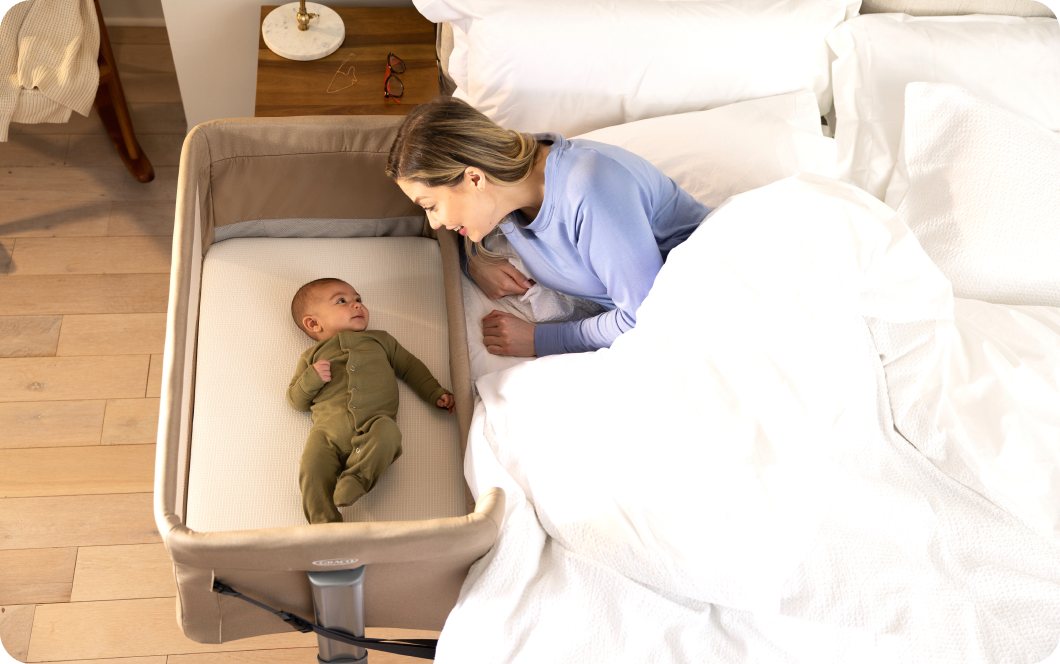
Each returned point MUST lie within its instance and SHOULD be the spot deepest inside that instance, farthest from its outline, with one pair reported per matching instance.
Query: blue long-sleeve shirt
(607, 223)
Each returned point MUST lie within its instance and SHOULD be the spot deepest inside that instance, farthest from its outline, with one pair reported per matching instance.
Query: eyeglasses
(392, 85)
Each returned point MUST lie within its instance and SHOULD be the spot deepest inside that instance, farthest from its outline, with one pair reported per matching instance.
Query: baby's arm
(307, 382)
(410, 369)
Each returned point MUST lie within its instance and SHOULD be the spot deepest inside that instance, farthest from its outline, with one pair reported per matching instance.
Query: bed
(857, 455)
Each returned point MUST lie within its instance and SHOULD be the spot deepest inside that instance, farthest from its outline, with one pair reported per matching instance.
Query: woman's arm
(616, 242)
(581, 336)
(497, 278)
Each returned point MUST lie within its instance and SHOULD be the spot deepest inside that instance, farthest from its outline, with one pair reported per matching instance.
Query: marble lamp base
(324, 36)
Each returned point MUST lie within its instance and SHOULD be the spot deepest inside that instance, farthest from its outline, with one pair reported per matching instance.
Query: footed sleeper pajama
(354, 436)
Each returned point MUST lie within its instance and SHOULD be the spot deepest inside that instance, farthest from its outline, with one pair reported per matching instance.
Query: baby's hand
(323, 369)
(447, 402)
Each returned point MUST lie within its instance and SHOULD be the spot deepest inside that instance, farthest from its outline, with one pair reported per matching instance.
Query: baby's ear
(310, 323)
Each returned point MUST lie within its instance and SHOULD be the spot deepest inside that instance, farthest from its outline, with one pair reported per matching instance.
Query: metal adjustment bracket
(338, 598)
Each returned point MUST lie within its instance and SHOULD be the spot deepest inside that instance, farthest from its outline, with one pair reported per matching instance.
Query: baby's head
(325, 307)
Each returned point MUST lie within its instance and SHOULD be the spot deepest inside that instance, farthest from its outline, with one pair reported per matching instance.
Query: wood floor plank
(159, 659)
(154, 381)
(93, 630)
(150, 87)
(91, 255)
(37, 576)
(94, 150)
(164, 149)
(89, 150)
(164, 118)
(78, 124)
(61, 521)
(142, 218)
(54, 218)
(284, 656)
(66, 183)
(29, 336)
(131, 422)
(73, 378)
(122, 34)
(83, 294)
(76, 471)
(137, 57)
(51, 423)
(111, 334)
(7, 248)
(306, 655)
(34, 150)
(61, 184)
(16, 622)
(123, 572)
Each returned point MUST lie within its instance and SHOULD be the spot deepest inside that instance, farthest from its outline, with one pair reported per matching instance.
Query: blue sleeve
(615, 239)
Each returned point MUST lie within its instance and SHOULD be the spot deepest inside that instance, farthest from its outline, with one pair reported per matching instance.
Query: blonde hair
(440, 139)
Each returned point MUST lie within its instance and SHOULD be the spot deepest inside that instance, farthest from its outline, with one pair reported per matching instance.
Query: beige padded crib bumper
(264, 205)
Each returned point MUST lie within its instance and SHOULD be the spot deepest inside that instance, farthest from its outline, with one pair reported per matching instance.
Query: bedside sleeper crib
(264, 205)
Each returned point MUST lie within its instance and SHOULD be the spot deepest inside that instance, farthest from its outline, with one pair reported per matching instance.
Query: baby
(348, 380)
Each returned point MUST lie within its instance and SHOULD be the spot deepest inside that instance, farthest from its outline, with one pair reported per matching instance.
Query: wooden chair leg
(114, 112)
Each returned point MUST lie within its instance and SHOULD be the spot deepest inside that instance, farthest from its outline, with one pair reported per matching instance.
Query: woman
(588, 219)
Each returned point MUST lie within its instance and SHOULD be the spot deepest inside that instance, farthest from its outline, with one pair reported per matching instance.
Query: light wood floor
(84, 278)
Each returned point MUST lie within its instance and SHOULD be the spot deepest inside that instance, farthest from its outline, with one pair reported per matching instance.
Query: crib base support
(338, 598)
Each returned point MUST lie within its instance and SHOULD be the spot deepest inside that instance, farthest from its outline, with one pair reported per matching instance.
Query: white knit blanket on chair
(48, 54)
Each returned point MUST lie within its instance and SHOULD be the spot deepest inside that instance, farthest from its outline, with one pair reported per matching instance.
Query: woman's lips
(463, 231)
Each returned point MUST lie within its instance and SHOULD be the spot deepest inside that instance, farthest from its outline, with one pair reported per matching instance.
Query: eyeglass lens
(393, 85)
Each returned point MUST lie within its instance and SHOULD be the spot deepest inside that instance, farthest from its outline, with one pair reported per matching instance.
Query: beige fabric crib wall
(241, 170)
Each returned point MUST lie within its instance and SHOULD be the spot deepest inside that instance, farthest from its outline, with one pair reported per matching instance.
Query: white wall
(133, 12)
(215, 49)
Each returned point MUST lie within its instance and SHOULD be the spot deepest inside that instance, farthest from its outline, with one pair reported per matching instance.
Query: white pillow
(1011, 61)
(980, 188)
(729, 150)
(572, 67)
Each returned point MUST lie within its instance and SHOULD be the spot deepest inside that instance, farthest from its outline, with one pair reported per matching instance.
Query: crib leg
(338, 598)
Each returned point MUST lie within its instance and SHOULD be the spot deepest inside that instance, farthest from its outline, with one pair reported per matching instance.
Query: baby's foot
(347, 491)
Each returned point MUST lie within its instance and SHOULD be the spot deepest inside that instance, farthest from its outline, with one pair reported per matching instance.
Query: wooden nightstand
(289, 87)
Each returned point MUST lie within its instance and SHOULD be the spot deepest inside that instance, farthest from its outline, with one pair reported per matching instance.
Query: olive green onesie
(354, 437)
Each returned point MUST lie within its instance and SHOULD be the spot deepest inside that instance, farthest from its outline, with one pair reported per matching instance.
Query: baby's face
(336, 308)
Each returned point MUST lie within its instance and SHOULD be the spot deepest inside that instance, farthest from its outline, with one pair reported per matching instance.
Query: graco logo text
(336, 561)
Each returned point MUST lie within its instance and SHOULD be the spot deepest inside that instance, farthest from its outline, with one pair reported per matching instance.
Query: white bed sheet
(726, 482)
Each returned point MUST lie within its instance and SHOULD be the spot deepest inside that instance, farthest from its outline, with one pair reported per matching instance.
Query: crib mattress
(246, 441)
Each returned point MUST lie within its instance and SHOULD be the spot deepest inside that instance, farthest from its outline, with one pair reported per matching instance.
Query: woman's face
(469, 208)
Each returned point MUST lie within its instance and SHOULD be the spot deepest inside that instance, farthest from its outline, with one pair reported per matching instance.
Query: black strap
(422, 648)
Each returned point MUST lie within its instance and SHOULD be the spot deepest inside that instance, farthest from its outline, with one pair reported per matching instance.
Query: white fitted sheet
(247, 441)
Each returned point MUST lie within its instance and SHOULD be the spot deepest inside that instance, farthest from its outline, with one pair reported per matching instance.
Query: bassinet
(309, 177)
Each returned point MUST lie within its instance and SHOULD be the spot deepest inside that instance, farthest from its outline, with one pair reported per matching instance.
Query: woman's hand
(505, 334)
(497, 278)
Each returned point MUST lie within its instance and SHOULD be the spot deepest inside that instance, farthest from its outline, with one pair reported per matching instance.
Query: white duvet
(727, 483)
